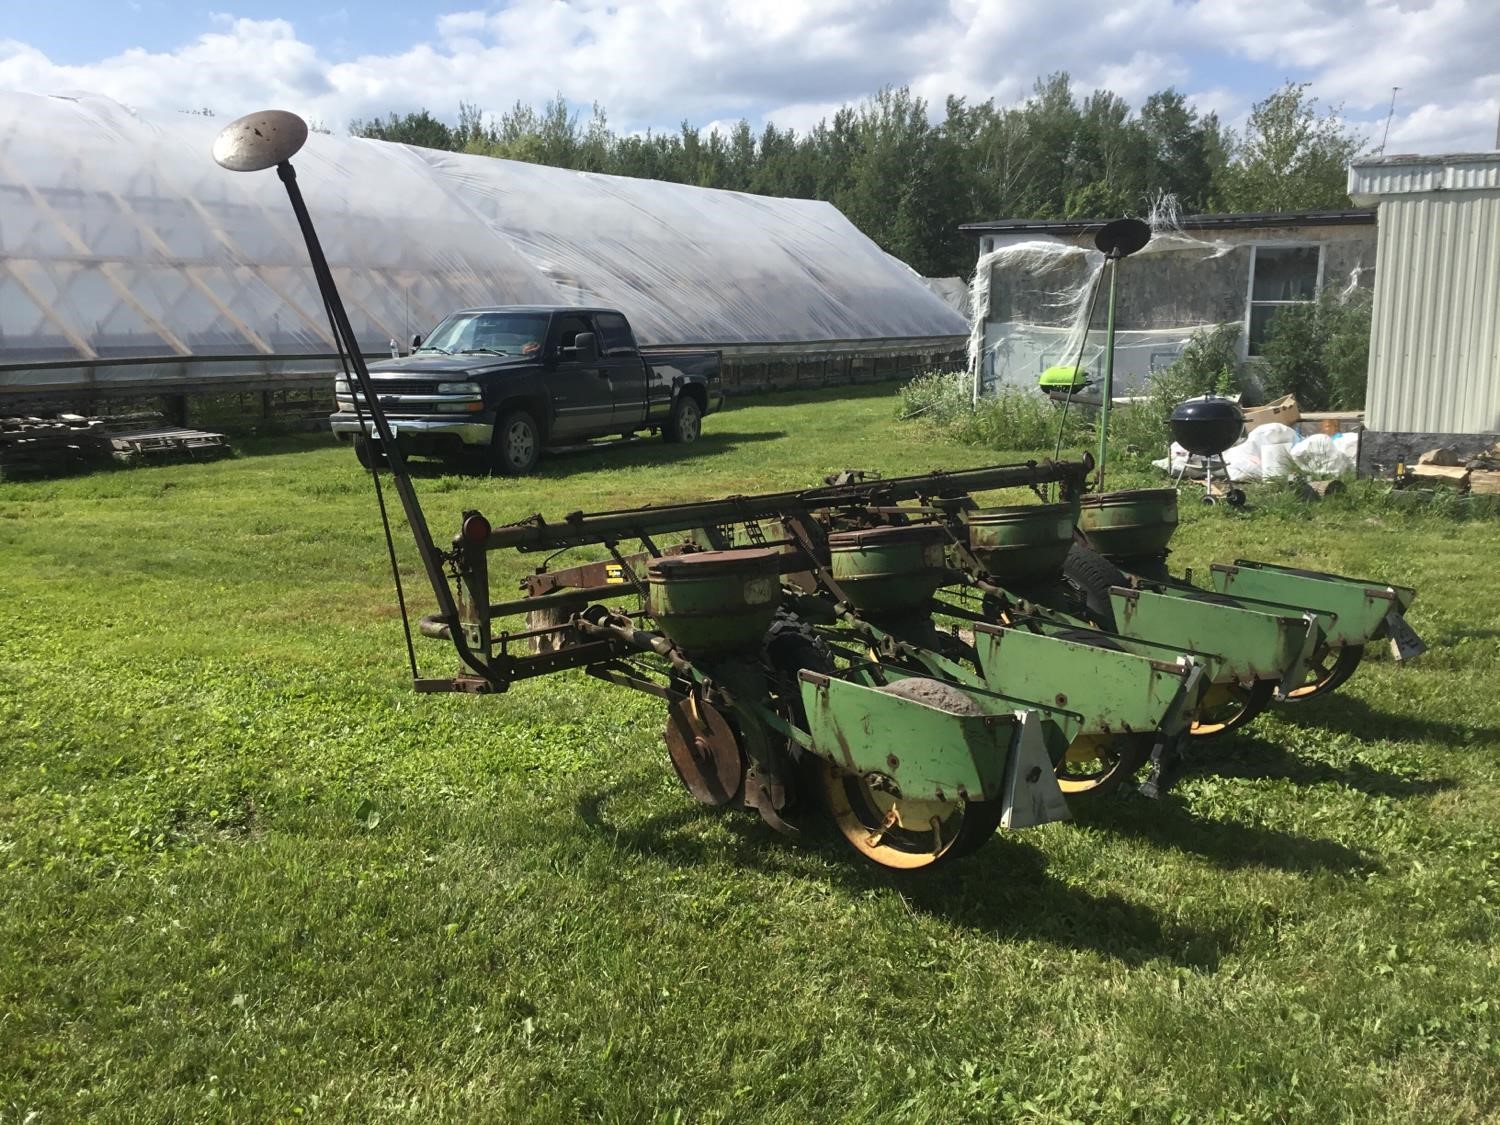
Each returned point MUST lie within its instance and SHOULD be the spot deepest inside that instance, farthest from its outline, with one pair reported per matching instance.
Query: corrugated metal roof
(1249, 219)
(1406, 175)
(1435, 330)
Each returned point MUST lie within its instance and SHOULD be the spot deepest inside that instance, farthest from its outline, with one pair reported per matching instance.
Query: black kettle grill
(1206, 426)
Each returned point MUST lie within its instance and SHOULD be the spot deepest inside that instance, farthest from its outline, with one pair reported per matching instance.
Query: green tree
(1291, 158)
(909, 180)
(420, 128)
(1186, 153)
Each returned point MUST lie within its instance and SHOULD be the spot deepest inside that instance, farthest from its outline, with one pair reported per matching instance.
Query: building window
(1279, 276)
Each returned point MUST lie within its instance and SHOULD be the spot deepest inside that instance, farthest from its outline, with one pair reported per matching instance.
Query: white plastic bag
(1244, 462)
(1272, 433)
(1320, 456)
(1276, 461)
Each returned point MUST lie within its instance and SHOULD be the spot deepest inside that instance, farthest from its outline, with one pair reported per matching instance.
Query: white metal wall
(1435, 330)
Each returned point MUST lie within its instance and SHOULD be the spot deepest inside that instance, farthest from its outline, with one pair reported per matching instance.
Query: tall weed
(1013, 418)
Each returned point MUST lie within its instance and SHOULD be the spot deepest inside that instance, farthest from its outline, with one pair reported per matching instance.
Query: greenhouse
(129, 259)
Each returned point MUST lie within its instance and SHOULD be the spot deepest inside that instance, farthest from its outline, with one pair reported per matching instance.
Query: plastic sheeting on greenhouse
(121, 238)
(1060, 290)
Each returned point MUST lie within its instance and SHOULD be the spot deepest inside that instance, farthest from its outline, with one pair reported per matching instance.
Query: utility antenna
(1391, 113)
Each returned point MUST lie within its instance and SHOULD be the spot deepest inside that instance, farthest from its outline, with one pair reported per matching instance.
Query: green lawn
(246, 873)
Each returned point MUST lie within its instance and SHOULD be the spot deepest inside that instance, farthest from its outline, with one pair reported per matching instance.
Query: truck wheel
(517, 445)
(686, 422)
(365, 454)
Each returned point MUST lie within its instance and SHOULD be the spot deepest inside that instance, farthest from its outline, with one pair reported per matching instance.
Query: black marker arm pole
(1109, 376)
(432, 559)
(1115, 240)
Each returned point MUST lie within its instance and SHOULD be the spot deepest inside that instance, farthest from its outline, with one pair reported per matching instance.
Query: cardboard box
(1283, 410)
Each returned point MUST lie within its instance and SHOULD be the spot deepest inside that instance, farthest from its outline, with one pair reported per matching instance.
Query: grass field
(246, 873)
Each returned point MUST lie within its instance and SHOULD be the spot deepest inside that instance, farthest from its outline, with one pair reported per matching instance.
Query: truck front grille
(407, 386)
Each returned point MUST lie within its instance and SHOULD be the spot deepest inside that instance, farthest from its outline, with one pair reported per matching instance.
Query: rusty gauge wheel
(705, 751)
(1328, 668)
(908, 833)
(1227, 706)
(1099, 763)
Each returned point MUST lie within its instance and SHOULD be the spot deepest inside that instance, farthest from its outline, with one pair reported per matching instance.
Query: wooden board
(1455, 476)
(1485, 482)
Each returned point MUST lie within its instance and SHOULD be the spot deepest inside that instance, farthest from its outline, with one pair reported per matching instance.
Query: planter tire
(1091, 574)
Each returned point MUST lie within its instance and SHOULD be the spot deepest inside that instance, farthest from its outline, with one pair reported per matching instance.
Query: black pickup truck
(496, 387)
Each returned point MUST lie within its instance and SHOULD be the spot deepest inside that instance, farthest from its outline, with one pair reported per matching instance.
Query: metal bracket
(1031, 793)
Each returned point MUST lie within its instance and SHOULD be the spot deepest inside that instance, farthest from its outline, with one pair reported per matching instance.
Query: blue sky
(72, 32)
(654, 62)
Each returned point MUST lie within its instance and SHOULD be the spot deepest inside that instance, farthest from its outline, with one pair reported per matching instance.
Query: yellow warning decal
(614, 574)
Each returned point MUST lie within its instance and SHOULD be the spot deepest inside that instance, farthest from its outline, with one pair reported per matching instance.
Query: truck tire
(516, 446)
(365, 454)
(686, 422)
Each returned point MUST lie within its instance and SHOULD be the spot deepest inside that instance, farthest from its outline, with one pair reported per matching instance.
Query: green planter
(715, 603)
(887, 570)
(1022, 543)
(1134, 523)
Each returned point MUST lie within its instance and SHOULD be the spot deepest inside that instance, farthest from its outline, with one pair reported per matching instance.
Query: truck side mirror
(585, 347)
(416, 341)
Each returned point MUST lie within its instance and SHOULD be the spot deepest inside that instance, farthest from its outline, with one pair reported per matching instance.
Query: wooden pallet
(167, 443)
(32, 448)
(49, 447)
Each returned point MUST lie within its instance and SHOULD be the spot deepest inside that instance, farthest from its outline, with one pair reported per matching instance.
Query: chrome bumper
(469, 431)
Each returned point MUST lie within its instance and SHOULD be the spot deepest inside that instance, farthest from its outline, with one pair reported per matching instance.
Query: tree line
(908, 178)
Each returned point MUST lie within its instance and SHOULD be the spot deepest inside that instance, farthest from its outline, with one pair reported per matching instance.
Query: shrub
(937, 397)
(1320, 351)
(1209, 364)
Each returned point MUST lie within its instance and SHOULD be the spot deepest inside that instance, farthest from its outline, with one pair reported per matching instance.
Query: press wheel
(1227, 706)
(903, 833)
(1099, 763)
(1328, 668)
(704, 751)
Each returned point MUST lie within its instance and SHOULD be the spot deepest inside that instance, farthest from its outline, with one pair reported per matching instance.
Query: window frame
(556, 337)
(1251, 303)
(620, 352)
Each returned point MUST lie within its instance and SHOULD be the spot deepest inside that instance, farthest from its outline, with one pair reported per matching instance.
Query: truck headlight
(341, 387)
(458, 388)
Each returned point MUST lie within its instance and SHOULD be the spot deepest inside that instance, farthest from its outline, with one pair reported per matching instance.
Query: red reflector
(476, 530)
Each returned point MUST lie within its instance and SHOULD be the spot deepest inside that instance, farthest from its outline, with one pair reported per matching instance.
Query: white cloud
(653, 62)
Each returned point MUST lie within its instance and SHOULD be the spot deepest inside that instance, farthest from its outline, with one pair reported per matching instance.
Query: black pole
(432, 559)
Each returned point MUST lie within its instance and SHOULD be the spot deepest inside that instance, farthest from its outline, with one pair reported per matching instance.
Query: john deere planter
(886, 656)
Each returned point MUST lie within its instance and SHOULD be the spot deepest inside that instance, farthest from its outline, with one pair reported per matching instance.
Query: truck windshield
(499, 333)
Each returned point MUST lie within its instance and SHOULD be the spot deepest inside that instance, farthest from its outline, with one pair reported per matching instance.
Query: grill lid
(1206, 425)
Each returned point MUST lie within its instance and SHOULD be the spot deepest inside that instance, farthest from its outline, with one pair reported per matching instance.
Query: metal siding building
(1435, 328)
